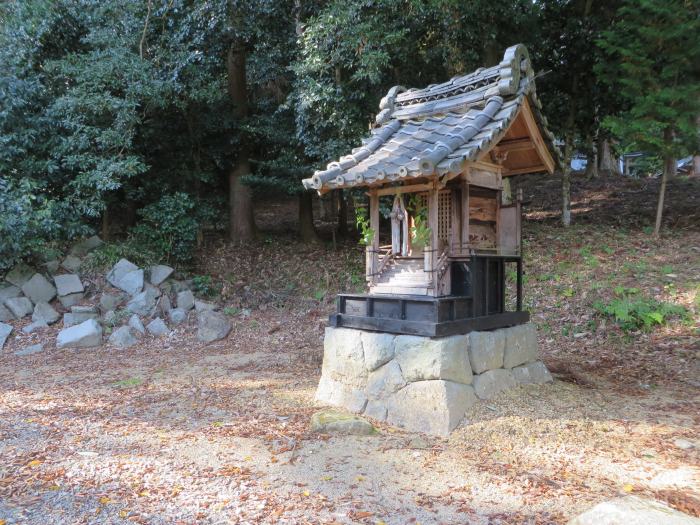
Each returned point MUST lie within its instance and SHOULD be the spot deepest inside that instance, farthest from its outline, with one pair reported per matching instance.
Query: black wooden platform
(419, 315)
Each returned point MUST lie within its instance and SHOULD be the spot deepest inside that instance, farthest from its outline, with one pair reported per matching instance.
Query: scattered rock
(84, 309)
(71, 300)
(136, 324)
(19, 275)
(126, 276)
(8, 292)
(71, 263)
(160, 273)
(34, 349)
(123, 337)
(521, 345)
(492, 382)
(432, 407)
(5, 314)
(143, 303)
(633, 510)
(34, 326)
(85, 246)
(110, 318)
(110, 301)
(185, 300)
(19, 306)
(177, 316)
(202, 306)
(76, 318)
(212, 326)
(45, 312)
(422, 358)
(5, 331)
(532, 373)
(164, 305)
(84, 335)
(684, 444)
(39, 289)
(486, 350)
(334, 422)
(157, 327)
(68, 284)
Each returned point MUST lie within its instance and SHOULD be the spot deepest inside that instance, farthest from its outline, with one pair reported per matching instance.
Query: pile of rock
(139, 296)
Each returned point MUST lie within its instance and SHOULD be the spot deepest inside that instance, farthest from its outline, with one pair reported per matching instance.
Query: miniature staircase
(404, 276)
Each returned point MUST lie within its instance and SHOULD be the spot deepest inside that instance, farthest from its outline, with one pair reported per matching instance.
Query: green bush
(169, 227)
(634, 312)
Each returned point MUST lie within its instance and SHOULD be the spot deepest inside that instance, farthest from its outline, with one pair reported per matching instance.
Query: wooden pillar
(372, 251)
(431, 260)
(465, 215)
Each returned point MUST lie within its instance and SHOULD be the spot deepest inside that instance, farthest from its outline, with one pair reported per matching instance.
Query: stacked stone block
(425, 384)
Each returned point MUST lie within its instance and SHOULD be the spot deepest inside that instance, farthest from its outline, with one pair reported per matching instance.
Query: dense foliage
(130, 117)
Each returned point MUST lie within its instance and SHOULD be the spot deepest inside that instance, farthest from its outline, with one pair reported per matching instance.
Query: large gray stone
(84, 335)
(164, 305)
(143, 303)
(19, 275)
(120, 270)
(132, 282)
(34, 326)
(334, 422)
(30, 350)
(633, 510)
(76, 318)
(521, 345)
(423, 358)
(136, 324)
(376, 409)
(486, 350)
(492, 382)
(157, 327)
(19, 306)
(177, 316)
(111, 301)
(434, 407)
(67, 284)
(378, 349)
(159, 273)
(123, 337)
(82, 248)
(343, 357)
(70, 300)
(5, 314)
(332, 392)
(185, 300)
(45, 312)
(385, 380)
(5, 331)
(532, 373)
(8, 291)
(39, 289)
(71, 263)
(201, 306)
(212, 326)
(85, 309)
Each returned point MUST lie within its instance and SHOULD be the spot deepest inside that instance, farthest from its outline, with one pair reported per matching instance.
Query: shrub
(635, 312)
(169, 227)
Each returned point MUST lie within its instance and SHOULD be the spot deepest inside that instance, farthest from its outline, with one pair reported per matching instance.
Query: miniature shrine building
(438, 160)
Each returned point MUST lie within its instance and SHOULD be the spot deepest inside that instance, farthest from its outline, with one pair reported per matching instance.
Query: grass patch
(632, 311)
(128, 383)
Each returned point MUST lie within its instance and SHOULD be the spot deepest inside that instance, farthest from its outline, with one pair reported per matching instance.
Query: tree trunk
(608, 162)
(342, 228)
(696, 165)
(566, 180)
(660, 205)
(241, 220)
(591, 160)
(307, 231)
(670, 167)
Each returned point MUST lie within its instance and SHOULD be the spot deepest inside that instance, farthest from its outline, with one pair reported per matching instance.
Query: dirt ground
(176, 432)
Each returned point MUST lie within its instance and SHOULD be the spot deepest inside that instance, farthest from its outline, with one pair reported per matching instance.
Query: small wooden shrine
(439, 159)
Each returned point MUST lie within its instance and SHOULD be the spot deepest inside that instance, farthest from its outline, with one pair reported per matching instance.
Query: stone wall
(425, 384)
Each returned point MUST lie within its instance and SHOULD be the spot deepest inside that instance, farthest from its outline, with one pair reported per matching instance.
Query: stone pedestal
(425, 384)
